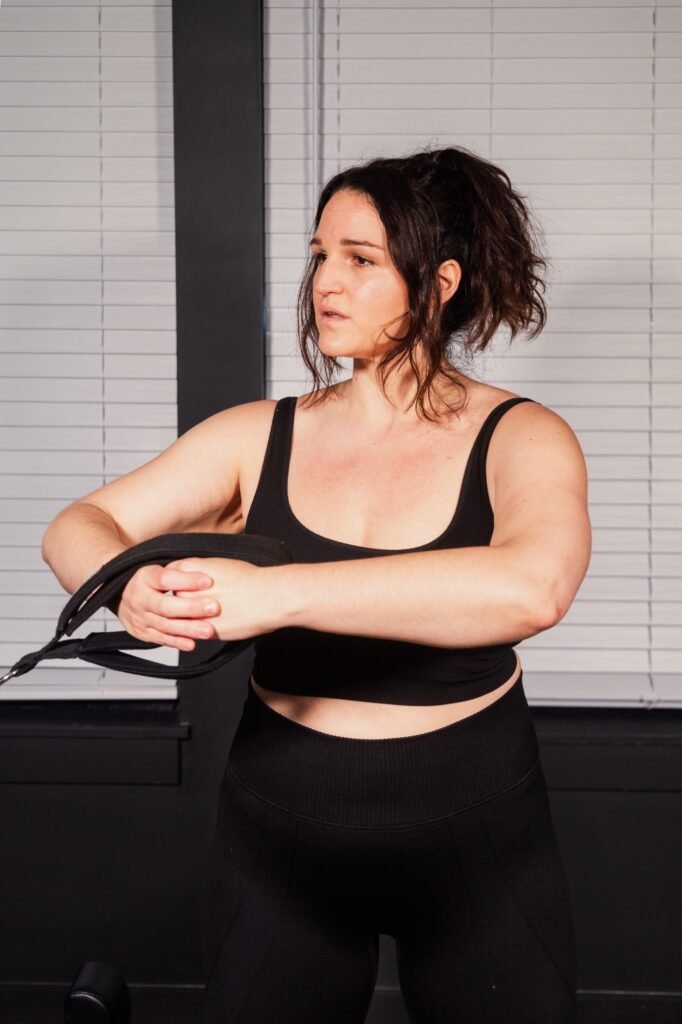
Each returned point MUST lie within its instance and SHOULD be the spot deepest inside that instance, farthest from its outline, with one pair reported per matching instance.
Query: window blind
(582, 106)
(87, 298)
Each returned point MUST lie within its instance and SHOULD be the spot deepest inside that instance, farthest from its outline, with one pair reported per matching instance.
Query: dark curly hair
(436, 205)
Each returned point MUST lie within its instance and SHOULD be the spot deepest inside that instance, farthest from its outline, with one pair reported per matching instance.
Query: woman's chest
(392, 493)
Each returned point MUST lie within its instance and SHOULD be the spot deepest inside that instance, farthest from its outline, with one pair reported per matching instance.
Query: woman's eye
(319, 256)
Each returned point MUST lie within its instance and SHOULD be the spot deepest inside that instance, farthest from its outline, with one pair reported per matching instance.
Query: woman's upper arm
(191, 480)
(541, 503)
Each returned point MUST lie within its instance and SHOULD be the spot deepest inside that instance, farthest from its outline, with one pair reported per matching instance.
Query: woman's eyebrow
(350, 241)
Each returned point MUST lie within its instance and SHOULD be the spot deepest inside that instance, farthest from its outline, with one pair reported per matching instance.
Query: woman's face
(358, 280)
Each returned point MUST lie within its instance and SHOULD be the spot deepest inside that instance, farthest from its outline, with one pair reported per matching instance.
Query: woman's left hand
(243, 593)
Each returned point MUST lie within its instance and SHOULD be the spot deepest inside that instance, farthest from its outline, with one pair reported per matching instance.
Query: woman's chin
(330, 344)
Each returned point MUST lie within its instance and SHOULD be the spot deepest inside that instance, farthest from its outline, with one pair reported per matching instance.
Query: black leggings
(443, 840)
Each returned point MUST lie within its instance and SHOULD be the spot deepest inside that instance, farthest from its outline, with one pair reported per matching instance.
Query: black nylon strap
(104, 649)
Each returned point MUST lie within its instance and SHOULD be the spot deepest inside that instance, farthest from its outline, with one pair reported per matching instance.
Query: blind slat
(87, 298)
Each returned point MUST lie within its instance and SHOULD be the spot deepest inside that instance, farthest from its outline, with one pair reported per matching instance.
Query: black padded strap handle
(104, 648)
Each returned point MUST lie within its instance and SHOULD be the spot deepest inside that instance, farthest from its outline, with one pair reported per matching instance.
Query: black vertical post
(219, 205)
(220, 294)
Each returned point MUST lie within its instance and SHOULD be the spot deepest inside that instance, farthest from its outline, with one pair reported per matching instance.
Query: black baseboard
(629, 1007)
(593, 1008)
(44, 1004)
(150, 1004)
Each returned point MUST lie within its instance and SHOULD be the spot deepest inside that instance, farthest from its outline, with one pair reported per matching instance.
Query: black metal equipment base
(99, 995)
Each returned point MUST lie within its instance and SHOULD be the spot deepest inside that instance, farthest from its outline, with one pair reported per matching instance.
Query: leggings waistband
(384, 782)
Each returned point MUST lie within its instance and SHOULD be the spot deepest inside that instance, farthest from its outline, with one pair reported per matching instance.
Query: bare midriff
(359, 719)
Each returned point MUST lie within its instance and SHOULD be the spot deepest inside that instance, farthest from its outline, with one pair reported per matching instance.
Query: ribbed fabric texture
(318, 664)
(344, 780)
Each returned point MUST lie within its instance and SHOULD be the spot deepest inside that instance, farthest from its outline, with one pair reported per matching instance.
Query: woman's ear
(449, 276)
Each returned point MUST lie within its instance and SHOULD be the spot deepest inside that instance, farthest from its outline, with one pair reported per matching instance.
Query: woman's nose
(327, 278)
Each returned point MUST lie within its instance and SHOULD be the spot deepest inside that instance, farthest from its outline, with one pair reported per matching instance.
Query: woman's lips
(333, 316)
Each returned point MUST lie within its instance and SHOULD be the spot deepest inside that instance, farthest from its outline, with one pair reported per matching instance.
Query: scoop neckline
(382, 551)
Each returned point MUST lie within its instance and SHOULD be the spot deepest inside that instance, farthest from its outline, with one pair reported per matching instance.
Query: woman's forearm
(78, 542)
(461, 597)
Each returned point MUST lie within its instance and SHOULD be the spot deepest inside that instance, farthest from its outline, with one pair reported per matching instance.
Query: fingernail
(211, 607)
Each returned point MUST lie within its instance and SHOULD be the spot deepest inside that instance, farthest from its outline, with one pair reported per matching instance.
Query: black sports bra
(307, 662)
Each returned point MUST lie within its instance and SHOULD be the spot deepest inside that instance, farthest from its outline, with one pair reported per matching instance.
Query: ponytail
(485, 220)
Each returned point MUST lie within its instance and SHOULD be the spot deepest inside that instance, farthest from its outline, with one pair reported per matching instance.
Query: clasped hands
(241, 595)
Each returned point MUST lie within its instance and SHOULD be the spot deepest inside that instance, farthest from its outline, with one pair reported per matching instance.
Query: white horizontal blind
(87, 297)
(582, 106)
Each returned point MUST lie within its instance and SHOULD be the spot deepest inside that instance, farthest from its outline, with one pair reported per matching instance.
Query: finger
(173, 606)
(199, 599)
(182, 643)
(193, 628)
(177, 579)
(186, 564)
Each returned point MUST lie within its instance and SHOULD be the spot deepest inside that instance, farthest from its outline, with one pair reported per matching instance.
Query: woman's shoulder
(482, 399)
(530, 430)
(489, 396)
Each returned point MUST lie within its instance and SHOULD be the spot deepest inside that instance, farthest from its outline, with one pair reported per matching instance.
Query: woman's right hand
(149, 610)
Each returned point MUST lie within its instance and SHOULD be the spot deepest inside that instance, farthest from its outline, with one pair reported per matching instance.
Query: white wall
(87, 296)
(582, 106)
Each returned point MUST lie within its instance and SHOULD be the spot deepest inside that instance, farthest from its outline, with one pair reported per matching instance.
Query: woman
(384, 777)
